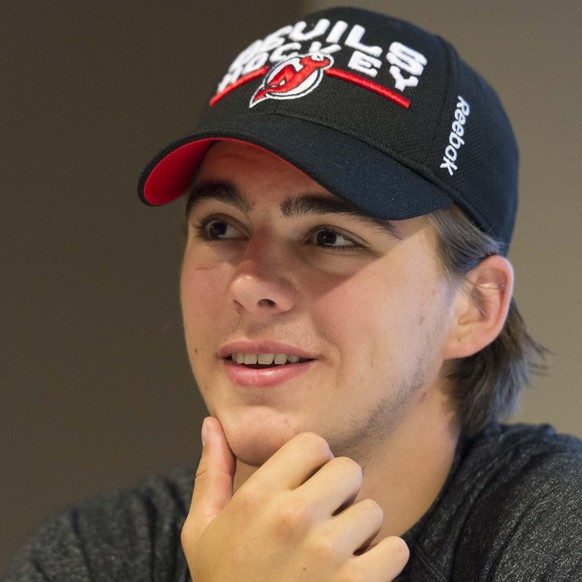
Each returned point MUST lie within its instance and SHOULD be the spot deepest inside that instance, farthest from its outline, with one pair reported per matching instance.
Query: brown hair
(487, 384)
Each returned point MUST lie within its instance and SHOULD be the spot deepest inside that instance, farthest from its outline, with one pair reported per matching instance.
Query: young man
(348, 317)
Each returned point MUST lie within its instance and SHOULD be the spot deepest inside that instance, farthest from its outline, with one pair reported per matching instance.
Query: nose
(260, 285)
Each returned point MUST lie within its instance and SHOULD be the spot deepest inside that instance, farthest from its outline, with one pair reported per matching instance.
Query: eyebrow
(319, 205)
(292, 207)
(221, 191)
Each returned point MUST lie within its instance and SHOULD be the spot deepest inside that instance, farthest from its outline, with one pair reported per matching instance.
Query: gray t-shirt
(511, 510)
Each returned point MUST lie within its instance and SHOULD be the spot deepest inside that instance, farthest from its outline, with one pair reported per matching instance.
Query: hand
(293, 520)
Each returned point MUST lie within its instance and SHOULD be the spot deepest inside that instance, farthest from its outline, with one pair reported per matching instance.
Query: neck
(408, 470)
(405, 473)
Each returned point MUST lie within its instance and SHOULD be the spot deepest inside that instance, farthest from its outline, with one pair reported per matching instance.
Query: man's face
(301, 315)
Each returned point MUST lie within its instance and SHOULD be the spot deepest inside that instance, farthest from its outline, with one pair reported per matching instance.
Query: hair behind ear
(487, 382)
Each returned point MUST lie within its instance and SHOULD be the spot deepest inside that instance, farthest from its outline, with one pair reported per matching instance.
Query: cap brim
(349, 168)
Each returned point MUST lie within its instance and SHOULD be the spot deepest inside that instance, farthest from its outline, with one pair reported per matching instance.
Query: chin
(254, 452)
(255, 443)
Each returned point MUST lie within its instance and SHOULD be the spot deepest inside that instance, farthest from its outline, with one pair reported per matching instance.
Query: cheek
(354, 317)
(201, 292)
(376, 320)
(199, 285)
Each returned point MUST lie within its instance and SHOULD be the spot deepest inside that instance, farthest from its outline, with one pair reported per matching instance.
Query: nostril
(263, 294)
(266, 302)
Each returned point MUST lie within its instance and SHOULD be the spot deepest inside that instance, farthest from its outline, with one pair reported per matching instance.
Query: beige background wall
(95, 389)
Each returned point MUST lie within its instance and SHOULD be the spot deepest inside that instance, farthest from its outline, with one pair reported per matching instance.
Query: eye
(330, 238)
(217, 228)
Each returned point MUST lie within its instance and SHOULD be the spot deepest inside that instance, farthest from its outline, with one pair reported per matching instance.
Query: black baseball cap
(378, 111)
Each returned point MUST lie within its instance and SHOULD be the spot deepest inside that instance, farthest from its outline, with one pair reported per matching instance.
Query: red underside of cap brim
(172, 176)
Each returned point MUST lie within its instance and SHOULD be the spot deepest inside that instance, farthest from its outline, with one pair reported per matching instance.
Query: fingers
(293, 464)
(334, 486)
(356, 526)
(296, 514)
(214, 478)
(383, 562)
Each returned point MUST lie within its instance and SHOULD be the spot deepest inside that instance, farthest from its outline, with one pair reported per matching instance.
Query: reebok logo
(456, 140)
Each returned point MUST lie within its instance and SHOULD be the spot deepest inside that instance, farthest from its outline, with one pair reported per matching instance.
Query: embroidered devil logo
(293, 78)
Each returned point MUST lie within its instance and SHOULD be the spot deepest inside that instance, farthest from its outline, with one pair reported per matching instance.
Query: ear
(482, 303)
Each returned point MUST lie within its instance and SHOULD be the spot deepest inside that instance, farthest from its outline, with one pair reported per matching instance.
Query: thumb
(214, 477)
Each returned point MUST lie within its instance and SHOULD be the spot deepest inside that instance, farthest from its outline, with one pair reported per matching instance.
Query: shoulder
(125, 534)
(512, 508)
(526, 520)
(508, 460)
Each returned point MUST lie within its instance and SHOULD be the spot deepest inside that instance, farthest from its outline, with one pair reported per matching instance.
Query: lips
(264, 364)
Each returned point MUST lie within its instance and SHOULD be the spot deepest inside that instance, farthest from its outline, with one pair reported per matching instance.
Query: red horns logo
(293, 78)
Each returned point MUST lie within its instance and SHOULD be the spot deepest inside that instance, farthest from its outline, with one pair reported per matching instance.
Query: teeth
(264, 359)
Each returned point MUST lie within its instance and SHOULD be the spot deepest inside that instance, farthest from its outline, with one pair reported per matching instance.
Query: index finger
(214, 477)
(294, 463)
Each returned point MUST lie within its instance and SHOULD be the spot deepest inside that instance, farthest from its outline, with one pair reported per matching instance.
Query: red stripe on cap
(367, 84)
(236, 84)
